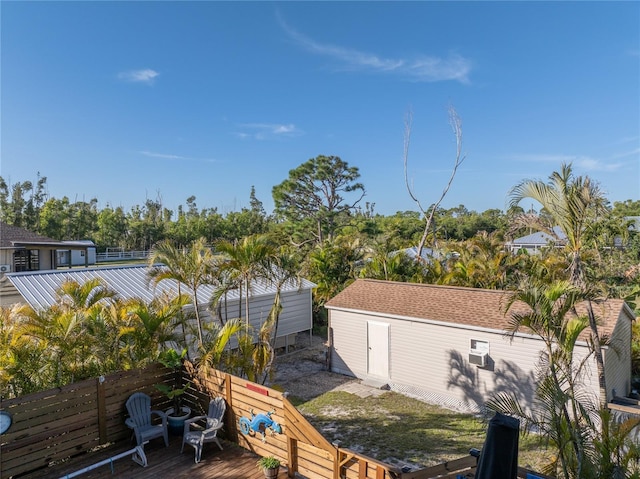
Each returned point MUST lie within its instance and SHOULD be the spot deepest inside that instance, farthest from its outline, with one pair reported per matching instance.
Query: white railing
(121, 255)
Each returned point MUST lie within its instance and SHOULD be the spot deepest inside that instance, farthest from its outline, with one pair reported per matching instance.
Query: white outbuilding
(447, 345)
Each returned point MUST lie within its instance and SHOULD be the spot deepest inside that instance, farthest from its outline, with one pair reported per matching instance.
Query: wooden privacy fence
(300, 446)
(58, 424)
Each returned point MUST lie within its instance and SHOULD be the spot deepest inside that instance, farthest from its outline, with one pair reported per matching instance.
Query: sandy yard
(303, 372)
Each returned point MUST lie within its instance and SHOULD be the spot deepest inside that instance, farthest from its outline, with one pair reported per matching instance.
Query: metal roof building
(39, 288)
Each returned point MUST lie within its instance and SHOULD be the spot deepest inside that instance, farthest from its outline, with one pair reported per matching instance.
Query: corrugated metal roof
(541, 238)
(39, 287)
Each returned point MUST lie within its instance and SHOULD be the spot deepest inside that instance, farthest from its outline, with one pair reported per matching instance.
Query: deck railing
(58, 424)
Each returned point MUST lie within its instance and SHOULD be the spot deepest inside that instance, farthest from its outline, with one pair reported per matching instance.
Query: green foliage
(589, 442)
(333, 265)
(268, 462)
(112, 228)
(314, 192)
(214, 345)
(615, 453)
(626, 208)
(172, 359)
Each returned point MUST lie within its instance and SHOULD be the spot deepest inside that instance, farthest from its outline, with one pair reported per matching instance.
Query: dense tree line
(318, 210)
(321, 231)
(338, 239)
(28, 206)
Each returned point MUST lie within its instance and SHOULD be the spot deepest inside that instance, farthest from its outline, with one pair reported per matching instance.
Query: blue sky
(126, 101)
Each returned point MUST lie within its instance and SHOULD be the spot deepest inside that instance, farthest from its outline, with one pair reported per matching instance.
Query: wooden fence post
(292, 453)
(231, 418)
(102, 409)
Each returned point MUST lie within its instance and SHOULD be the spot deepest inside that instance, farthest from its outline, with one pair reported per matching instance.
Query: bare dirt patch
(303, 372)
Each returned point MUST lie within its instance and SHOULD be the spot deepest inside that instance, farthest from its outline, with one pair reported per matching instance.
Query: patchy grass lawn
(403, 431)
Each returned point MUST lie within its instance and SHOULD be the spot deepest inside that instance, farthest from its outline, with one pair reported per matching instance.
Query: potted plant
(270, 466)
(178, 413)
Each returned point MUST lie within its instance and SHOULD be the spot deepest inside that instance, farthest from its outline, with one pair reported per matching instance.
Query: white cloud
(425, 68)
(534, 158)
(166, 156)
(265, 131)
(592, 164)
(162, 155)
(146, 75)
(437, 69)
(625, 154)
(583, 162)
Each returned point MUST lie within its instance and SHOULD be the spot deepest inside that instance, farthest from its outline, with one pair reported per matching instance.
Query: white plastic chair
(214, 422)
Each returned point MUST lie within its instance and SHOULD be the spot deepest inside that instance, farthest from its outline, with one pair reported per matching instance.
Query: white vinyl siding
(431, 360)
(295, 316)
(349, 343)
(617, 359)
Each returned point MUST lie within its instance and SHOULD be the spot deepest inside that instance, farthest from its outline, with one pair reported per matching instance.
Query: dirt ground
(303, 371)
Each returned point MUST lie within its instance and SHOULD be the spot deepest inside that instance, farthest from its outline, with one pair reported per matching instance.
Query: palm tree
(104, 325)
(215, 342)
(244, 262)
(333, 266)
(60, 333)
(255, 258)
(189, 266)
(150, 326)
(573, 204)
(22, 361)
(560, 411)
(91, 294)
(386, 263)
(285, 268)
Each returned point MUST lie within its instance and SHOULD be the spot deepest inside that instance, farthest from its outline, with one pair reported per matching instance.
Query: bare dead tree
(428, 214)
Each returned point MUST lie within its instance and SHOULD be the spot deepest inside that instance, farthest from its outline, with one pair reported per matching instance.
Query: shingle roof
(481, 308)
(39, 287)
(11, 235)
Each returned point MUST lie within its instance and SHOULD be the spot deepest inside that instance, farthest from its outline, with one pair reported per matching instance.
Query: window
(479, 346)
(26, 260)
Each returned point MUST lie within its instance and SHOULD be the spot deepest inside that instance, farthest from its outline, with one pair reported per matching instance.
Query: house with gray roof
(534, 242)
(447, 345)
(24, 250)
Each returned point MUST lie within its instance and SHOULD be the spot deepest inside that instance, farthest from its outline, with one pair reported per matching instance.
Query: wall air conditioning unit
(5, 268)
(479, 358)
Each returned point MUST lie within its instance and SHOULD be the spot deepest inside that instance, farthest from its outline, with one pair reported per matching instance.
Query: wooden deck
(233, 462)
